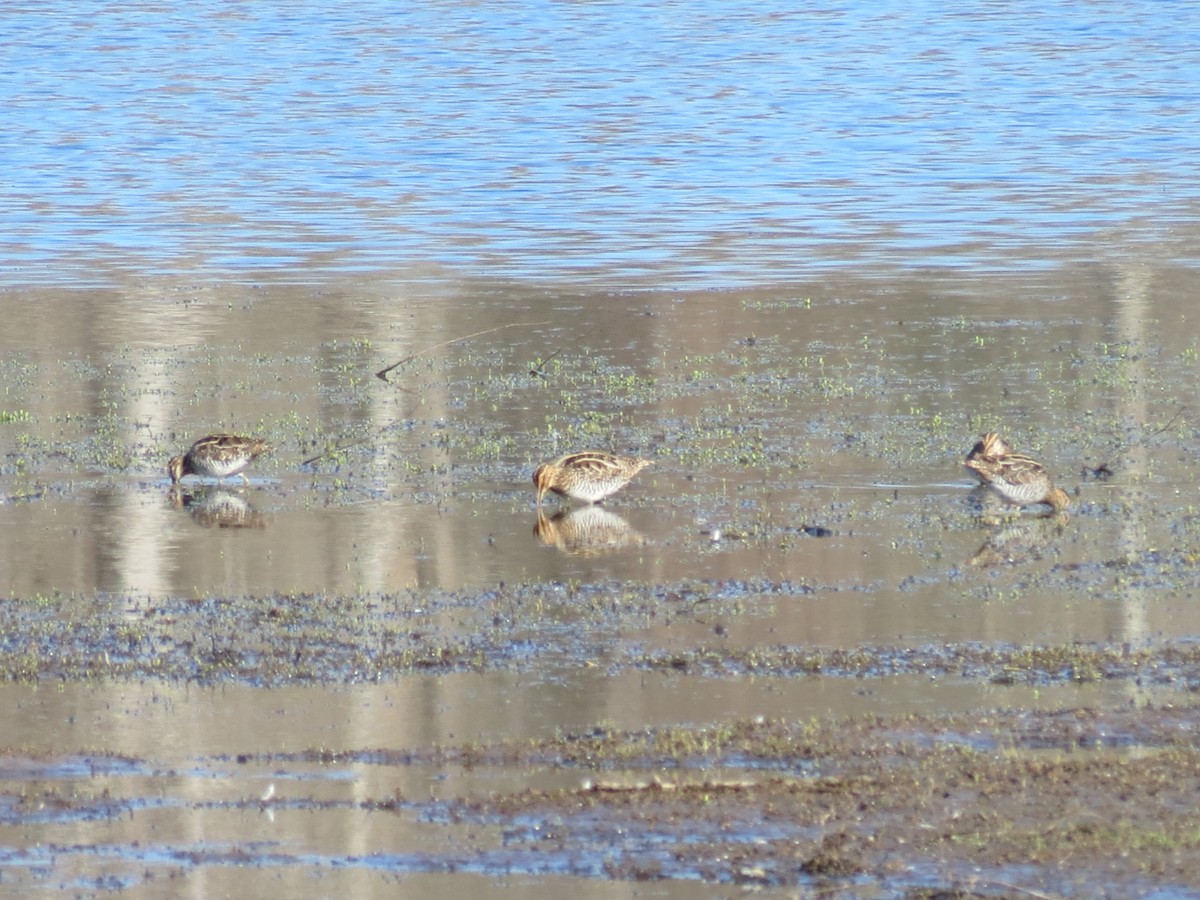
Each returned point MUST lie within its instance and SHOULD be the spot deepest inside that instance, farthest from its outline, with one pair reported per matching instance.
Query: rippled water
(865, 233)
(669, 143)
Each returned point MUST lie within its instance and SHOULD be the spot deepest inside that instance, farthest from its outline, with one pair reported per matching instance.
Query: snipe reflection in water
(1019, 541)
(218, 508)
(586, 531)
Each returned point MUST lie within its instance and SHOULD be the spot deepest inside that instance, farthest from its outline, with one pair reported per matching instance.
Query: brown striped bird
(217, 456)
(589, 476)
(1016, 479)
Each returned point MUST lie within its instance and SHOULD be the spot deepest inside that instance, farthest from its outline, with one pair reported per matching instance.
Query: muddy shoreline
(791, 657)
(1005, 803)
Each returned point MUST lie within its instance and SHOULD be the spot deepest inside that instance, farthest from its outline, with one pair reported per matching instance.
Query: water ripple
(711, 143)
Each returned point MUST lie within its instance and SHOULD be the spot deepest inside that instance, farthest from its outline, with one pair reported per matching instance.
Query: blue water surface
(671, 143)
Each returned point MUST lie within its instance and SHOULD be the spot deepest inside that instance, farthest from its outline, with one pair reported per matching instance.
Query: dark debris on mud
(886, 799)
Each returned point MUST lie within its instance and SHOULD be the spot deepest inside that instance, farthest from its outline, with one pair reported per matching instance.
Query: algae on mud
(1006, 800)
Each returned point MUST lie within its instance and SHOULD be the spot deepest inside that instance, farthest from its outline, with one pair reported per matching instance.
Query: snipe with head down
(217, 456)
(589, 476)
(1016, 479)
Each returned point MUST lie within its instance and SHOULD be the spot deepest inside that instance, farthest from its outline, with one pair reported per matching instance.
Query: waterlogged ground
(1078, 803)
(791, 656)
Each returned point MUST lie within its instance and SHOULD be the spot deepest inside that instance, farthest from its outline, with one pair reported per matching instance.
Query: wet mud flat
(1077, 803)
(616, 628)
(790, 658)
(995, 804)
(1071, 802)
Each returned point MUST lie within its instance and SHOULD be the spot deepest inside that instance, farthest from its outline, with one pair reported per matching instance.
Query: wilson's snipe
(590, 476)
(217, 456)
(1016, 479)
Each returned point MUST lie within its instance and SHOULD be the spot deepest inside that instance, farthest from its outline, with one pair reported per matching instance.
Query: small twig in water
(1023, 890)
(382, 374)
(1104, 470)
(332, 451)
(538, 369)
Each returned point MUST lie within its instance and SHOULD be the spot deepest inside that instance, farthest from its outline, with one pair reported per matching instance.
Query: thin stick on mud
(538, 369)
(1104, 470)
(382, 374)
(333, 450)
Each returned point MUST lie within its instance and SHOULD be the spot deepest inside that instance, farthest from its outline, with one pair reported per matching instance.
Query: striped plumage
(589, 476)
(217, 456)
(1018, 480)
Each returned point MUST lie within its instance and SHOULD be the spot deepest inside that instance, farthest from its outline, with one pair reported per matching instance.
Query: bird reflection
(586, 531)
(992, 509)
(1019, 541)
(217, 508)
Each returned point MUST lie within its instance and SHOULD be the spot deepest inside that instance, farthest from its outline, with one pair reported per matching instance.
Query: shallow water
(711, 144)
(800, 258)
(196, 780)
(822, 434)
(820, 441)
